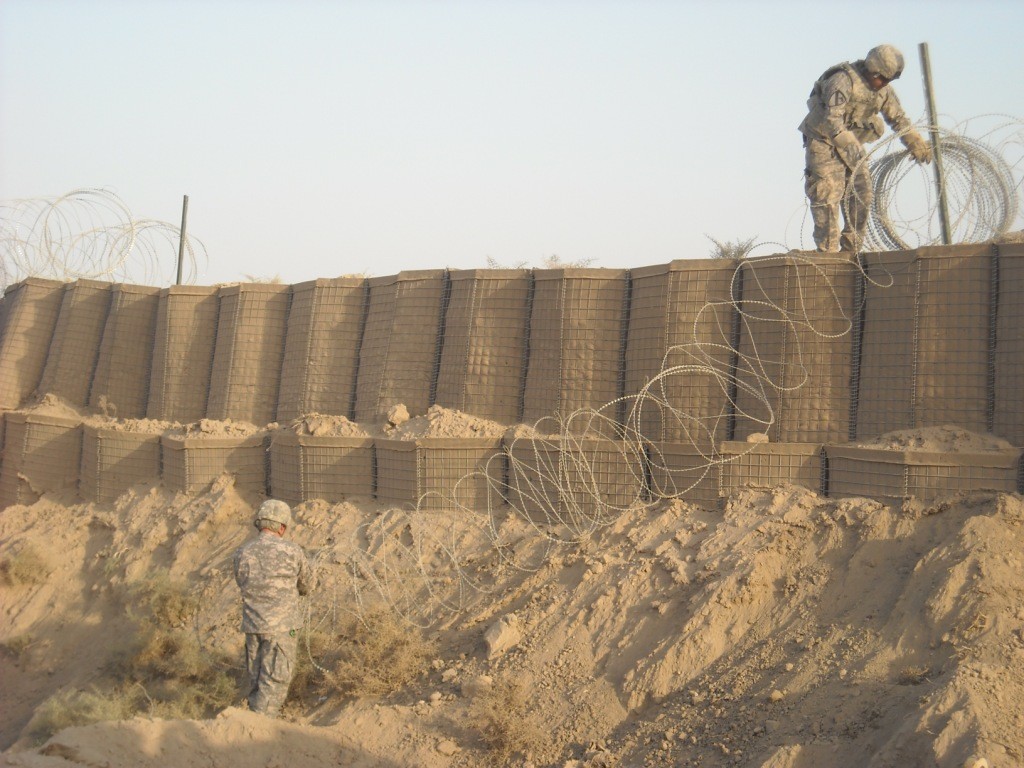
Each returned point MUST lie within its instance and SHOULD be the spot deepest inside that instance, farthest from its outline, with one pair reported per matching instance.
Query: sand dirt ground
(786, 631)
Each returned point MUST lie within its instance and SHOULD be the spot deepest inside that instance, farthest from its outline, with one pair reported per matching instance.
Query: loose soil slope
(790, 630)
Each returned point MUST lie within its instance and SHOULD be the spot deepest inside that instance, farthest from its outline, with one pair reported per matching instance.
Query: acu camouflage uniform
(272, 573)
(841, 101)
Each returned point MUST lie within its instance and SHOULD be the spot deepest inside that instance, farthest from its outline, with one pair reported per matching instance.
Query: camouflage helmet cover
(885, 60)
(273, 511)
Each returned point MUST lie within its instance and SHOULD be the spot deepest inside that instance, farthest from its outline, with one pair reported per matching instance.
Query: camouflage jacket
(272, 573)
(842, 100)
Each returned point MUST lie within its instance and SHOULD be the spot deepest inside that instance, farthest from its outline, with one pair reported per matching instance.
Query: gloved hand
(849, 149)
(919, 148)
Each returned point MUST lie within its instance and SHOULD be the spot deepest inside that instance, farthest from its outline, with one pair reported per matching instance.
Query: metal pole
(181, 237)
(933, 130)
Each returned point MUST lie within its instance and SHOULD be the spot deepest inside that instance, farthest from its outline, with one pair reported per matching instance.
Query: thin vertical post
(181, 237)
(933, 130)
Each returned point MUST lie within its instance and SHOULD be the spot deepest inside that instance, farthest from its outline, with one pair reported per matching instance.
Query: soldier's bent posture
(272, 573)
(843, 115)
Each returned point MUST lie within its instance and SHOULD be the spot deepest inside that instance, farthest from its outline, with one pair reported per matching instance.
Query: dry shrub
(508, 725)
(163, 601)
(370, 656)
(17, 646)
(71, 708)
(26, 566)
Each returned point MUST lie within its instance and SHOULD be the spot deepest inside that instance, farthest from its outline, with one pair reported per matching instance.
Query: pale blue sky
(323, 138)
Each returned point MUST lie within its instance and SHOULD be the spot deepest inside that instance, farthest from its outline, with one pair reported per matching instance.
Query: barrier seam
(446, 294)
(915, 350)
(736, 299)
(525, 367)
(364, 312)
(627, 305)
(993, 337)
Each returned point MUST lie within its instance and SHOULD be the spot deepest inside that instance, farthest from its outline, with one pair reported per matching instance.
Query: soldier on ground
(845, 111)
(272, 574)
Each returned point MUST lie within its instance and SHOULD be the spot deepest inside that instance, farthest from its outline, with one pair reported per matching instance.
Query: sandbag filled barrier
(485, 340)
(440, 473)
(249, 352)
(888, 475)
(795, 348)
(321, 355)
(766, 465)
(190, 464)
(682, 471)
(1008, 354)
(399, 353)
(75, 347)
(577, 343)
(581, 484)
(41, 454)
(678, 351)
(114, 460)
(120, 386)
(304, 467)
(30, 310)
(926, 340)
(186, 331)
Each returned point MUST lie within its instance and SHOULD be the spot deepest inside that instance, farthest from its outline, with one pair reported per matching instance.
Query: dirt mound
(444, 422)
(945, 439)
(790, 630)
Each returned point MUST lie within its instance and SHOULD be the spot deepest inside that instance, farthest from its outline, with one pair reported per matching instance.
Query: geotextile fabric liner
(892, 475)
(1008, 405)
(247, 358)
(186, 331)
(440, 472)
(190, 464)
(765, 465)
(304, 467)
(680, 322)
(573, 481)
(41, 454)
(577, 342)
(796, 347)
(74, 349)
(926, 340)
(681, 471)
(121, 383)
(321, 352)
(114, 460)
(485, 338)
(398, 356)
(30, 310)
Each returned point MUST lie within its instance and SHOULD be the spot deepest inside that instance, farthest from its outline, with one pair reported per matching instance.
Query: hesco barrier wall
(186, 332)
(247, 357)
(321, 354)
(398, 356)
(812, 349)
(75, 346)
(679, 346)
(483, 355)
(120, 386)
(577, 342)
(29, 315)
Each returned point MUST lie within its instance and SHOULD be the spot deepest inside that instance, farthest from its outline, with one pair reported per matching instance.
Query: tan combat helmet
(273, 512)
(884, 60)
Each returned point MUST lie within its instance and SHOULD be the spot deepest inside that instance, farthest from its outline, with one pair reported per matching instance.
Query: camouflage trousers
(270, 663)
(832, 187)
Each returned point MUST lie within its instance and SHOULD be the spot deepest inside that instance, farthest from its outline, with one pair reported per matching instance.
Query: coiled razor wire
(92, 234)
(417, 562)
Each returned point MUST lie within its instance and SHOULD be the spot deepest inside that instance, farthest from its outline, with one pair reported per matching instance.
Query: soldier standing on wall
(843, 115)
(272, 573)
